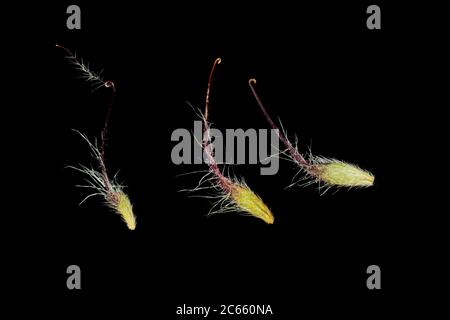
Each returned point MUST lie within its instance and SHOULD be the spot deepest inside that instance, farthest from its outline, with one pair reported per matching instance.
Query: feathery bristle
(102, 185)
(333, 173)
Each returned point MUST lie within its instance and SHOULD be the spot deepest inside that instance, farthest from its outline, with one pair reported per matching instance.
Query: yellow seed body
(339, 173)
(247, 201)
(125, 209)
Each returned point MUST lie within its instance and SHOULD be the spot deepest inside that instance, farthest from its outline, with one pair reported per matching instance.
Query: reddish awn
(326, 171)
(97, 180)
(232, 194)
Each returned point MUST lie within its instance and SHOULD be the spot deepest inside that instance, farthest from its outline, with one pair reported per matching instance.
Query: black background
(345, 89)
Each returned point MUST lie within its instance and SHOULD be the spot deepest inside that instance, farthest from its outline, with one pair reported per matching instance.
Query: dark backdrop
(343, 89)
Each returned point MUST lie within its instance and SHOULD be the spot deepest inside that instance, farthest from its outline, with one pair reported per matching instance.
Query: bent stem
(98, 180)
(232, 194)
(331, 172)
